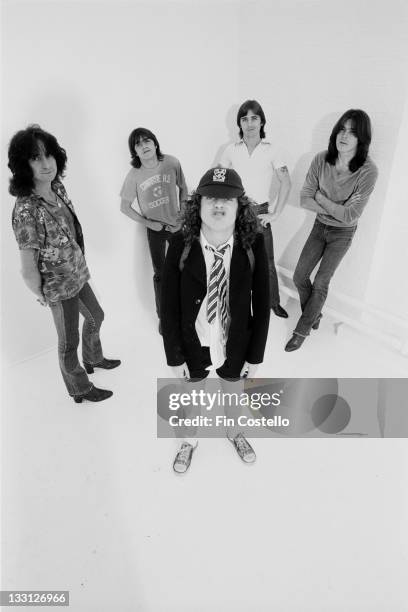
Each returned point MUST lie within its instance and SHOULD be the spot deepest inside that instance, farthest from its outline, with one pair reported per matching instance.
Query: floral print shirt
(61, 260)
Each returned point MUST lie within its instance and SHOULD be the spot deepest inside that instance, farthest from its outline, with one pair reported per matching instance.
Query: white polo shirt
(256, 170)
(211, 335)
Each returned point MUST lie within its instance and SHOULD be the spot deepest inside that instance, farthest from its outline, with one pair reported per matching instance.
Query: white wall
(101, 70)
(309, 63)
(387, 286)
(92, 71)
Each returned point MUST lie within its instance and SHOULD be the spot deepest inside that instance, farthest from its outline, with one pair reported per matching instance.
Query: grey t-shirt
(339, 188)
(154, 191)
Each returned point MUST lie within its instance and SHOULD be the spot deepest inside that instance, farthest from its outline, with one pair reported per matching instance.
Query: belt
(261, 209)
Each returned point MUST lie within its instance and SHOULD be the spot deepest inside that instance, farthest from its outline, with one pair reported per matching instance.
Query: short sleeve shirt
(256, 170)
(61, 261)
(63, 215)
(153, 191)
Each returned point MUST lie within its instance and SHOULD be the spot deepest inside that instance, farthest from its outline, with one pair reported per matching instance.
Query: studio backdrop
(91, 71)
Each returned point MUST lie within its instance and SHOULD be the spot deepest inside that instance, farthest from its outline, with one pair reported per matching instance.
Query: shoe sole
(91, 369)
(293, 348)
(180, 473)
(79, 400)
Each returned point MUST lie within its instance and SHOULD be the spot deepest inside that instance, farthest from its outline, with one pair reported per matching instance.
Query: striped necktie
(217, 289)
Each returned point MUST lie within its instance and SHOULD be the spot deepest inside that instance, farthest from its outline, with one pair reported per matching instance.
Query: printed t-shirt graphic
(153, 191)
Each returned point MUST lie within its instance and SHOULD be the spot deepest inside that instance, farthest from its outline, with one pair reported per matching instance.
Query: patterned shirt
(61, 260)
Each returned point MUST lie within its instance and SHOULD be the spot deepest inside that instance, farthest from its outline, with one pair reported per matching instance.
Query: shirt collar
(263, 141)
(204, 242)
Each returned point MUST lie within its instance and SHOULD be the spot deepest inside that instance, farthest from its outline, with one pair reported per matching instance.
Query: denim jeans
(66, 319)
(157, 245)
(268, 238)
(328, 244)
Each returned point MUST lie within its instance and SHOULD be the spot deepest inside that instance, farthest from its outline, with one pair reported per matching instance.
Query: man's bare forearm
(126, 208)
(282, 198)
(284, 189)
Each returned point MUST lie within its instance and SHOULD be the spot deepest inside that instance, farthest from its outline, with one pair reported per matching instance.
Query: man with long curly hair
(52, 253)
(215, 296)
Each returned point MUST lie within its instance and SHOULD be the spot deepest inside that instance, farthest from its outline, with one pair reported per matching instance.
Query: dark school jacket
(182, 295)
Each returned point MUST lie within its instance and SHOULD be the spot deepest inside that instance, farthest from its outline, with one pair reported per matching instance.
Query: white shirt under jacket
(211, 335)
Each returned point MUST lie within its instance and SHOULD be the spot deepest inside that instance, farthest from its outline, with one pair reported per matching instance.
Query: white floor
(91, 505)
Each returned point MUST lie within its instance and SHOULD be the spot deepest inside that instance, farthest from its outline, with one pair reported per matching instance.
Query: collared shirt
(62, 214)
(256, 170)
(211, 335)
(61, 260)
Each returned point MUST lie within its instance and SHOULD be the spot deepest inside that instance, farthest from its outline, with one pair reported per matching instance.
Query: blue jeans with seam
(66, 319)
(329, 244)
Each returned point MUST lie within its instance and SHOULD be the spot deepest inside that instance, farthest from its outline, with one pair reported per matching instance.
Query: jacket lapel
(195, 264)
(238, 266)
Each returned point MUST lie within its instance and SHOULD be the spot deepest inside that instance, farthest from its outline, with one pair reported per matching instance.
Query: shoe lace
(184, 453)
(241, 444)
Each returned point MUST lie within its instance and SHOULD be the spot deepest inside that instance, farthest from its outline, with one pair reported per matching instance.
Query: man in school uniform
(215, 297)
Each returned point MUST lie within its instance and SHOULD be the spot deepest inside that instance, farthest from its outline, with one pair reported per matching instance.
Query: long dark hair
(134, 139)
(246, 224)
(256, 108)
(25, 145)
(362, 129)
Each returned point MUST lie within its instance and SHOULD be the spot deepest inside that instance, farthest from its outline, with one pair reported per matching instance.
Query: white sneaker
(183, 458)
(243, 448)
